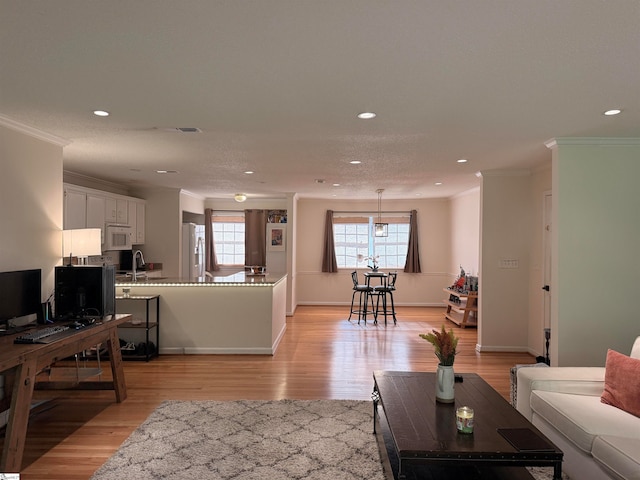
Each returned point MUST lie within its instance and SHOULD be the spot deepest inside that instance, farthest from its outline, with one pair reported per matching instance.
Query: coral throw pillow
(622, 382)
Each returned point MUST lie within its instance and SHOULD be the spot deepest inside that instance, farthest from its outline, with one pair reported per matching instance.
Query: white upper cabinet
(136, 220)
(75, 209)
(96, 213)
(89, 208)
(122, 211)
(140, 219)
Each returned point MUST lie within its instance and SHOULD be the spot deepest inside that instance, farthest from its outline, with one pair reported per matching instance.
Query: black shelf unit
(152, 303)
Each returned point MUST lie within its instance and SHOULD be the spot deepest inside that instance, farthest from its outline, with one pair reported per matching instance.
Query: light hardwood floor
(322, 355)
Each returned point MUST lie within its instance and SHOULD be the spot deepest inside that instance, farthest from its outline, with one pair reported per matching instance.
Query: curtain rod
(408, 212)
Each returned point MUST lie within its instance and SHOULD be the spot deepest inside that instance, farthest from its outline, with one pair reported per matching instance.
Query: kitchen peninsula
(235, 314)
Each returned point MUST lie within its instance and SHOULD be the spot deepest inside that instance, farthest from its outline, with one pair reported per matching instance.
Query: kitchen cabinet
(96, 213)
(122, 211)
(75, 209)
(89, 208)
(140, 219)
(111, 210)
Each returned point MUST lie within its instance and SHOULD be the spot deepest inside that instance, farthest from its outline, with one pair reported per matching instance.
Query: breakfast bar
(241, 313)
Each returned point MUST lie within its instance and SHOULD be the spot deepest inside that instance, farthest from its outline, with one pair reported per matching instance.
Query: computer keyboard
(41, 336)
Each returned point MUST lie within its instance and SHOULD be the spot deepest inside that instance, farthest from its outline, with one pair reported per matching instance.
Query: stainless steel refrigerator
(192, 251)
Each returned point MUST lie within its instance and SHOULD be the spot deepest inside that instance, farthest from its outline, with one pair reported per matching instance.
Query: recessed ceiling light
(336, 184)
(437, 184)
(101, 113)
(355, 162)
(249, 172)
(366, 115)
(166, 171)
(613, 111)
(240, 197)
(462, 160)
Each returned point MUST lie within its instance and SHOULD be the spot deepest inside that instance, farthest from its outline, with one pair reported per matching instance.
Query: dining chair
(361, 290)
(383, 291)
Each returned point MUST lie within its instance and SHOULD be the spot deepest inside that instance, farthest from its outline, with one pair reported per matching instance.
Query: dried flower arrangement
(445, 344)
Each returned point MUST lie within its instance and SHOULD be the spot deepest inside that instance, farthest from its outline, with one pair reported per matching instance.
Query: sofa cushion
(622, 382)
(619, 455)
(581, 418)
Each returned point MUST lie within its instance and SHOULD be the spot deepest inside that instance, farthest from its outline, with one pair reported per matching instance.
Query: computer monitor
(20, 297)
(84, 291)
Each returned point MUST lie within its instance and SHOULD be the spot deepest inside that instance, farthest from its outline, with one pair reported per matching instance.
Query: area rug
(252, 440)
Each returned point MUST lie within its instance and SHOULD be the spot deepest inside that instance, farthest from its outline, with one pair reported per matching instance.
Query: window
(228, 236)
(354, 236)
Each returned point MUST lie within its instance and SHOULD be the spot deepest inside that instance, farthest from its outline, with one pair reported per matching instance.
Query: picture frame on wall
(276, 237)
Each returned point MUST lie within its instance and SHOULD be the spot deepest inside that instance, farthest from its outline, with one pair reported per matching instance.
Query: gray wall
(596, 277)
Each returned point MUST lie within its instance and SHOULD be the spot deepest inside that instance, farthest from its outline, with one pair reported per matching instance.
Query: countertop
(236, 279)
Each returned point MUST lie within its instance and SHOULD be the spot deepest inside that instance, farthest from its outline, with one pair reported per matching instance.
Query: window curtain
(412, 264)
(329, 262)
(255, 237)
(210, 263)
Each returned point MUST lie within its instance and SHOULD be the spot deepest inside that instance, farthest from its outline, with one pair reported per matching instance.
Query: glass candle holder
(464, 419)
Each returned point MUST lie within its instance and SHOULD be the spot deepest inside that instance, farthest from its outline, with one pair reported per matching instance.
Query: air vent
(179, 129)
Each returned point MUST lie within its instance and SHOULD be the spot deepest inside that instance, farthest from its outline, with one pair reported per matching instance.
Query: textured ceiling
(275, 87)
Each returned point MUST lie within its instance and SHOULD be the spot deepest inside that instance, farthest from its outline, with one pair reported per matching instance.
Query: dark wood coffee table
(422, 440)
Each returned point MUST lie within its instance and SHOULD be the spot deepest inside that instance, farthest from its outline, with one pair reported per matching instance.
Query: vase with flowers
(372, 261)
(445, 344)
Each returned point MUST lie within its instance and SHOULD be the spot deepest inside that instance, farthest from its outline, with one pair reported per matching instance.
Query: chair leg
(352, 300)
(384, 306)
(393, 308)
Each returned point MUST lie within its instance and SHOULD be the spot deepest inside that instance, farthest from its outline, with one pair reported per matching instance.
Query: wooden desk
(26, 360)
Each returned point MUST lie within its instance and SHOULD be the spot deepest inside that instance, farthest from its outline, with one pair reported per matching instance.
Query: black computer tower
(85, 291)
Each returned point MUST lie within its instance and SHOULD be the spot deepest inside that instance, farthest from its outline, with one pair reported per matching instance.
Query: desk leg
(18, 417)
(115, 356)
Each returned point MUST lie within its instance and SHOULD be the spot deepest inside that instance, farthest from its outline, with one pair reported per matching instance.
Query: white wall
(465, 232)
(506, 225)
(163, 229)
(596, 231)
(318, 288)
(32, 198)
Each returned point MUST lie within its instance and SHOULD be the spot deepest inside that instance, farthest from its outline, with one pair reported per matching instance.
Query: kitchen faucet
(134, 263)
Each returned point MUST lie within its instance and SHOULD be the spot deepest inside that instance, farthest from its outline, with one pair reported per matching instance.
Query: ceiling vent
(179, 129)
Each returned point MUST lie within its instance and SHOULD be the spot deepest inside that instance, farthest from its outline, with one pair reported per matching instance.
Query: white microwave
(117, 237)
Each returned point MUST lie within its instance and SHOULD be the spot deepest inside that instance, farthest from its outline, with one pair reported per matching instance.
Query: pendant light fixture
(380, 229)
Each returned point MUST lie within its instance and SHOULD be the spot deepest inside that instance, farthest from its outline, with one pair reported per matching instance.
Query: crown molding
(33, 132)
(593, 141)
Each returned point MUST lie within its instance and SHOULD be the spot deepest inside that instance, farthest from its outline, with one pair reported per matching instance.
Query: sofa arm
(575, 380)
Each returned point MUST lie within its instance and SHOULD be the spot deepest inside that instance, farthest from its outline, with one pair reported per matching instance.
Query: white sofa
(599, 441)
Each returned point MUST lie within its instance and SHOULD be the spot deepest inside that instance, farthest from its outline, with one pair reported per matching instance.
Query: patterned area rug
(253, 440)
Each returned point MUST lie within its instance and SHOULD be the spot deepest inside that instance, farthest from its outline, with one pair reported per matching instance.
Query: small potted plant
(445, 344)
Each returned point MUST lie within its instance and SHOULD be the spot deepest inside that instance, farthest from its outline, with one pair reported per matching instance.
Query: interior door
(547, 256)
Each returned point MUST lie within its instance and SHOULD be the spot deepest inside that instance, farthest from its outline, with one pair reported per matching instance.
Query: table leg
(117, 370)
(557, 471)
(16, 432)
